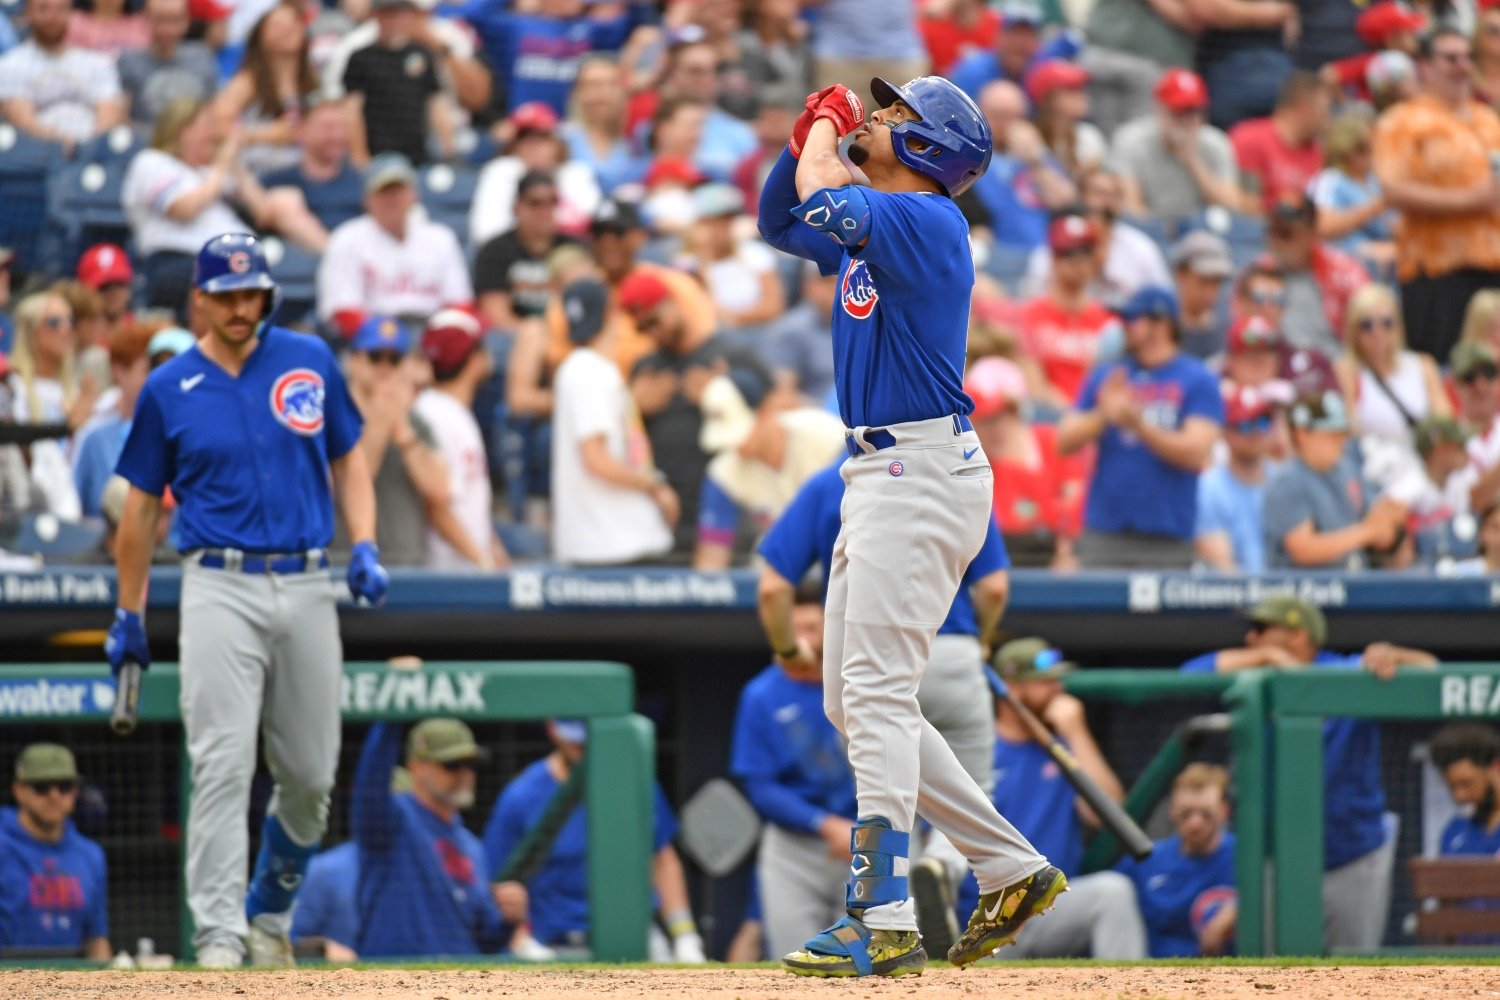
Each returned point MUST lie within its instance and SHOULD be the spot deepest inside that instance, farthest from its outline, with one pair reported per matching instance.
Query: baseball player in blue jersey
(916, 504)
(952, 693)
(255, 432)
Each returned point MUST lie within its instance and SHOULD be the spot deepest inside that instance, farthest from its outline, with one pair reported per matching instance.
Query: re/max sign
(1478, 694)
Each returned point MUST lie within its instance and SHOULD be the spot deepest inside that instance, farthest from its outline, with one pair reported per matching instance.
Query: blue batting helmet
(959, 141)
(231, 262)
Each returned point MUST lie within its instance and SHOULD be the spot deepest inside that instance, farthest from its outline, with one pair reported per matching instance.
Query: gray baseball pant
(1097, 917)
(260, 653)
(914, 516)
(801, 887)
(1357, 901)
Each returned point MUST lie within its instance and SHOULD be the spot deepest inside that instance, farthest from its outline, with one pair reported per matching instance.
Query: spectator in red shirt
(1253, 356)
(951, 34)
(1280, 154)
(1320, 279)
(1038, 494)
(1388, 26)
(1060, 329)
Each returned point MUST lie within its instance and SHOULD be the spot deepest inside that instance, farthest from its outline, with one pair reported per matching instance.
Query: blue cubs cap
(571, 731)
(957, 139)
(1153, 301)
(381, 333)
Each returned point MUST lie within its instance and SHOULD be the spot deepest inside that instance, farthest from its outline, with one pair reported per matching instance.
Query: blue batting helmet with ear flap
(234, 261)
(957, 137)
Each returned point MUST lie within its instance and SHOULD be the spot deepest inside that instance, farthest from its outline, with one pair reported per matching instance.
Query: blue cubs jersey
(788, 756)
(327, 906)
(246, 456)
(1032, 793)
(1464, 835)
(51, 895)
(805, 534)
(559, 891)
(1178, 893)
(901, 314)
(1353, 795)
(424, 885)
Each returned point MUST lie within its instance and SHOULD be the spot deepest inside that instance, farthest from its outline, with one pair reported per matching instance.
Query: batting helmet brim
(254, 280)
(887, 93)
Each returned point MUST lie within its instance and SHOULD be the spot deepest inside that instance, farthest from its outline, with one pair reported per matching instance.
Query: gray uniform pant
(1096, 918)
(1357, 901)
(914, 516)
(260, 653)
(801, 887)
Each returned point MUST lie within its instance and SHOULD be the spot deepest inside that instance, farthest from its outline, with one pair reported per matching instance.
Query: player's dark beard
(1484, 809)
(858, 155)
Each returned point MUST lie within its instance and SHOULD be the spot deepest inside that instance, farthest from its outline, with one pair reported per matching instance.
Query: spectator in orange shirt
(1435, 157)
(1038, 494)
(1060, 329)
(1280, 154)
(965, 26)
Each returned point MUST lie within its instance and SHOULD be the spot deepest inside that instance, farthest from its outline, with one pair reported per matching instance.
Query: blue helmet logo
(956, 138)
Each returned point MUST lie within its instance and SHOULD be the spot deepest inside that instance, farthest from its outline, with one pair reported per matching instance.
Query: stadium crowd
(1239, 303)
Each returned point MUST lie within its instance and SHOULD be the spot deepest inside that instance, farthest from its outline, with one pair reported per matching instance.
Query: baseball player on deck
(916, 503)
(249, 428)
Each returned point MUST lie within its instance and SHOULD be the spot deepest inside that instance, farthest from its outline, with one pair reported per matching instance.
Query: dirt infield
(1367, 982)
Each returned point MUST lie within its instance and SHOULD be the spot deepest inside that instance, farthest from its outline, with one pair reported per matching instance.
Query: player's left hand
(843, 107)
(1381, 660)
(687, 949)
(368, 580)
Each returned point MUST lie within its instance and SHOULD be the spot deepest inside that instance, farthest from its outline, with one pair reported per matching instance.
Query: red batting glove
(805, 121)
(843, 107)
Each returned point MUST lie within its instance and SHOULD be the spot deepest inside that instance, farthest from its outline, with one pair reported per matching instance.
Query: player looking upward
(916, 504)
(249, 428)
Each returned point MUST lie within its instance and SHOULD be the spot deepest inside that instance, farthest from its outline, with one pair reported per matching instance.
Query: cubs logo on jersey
(1209, 902)
(858, 290)
(297, 400)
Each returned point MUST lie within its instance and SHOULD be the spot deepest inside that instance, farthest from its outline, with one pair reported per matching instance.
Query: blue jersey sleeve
(666, 820)
(992, 556)
(912, 236)
(1205, 664)
(790, 547)
(753, 761)
(506, 827)
(342, 422)
(146, 460)
(1088, 396)
(1202, 397)
(373, 814)
(96, 916)
(12, 892)
(784, 231)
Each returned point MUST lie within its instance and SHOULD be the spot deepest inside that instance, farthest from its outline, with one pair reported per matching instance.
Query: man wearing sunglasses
(1098, 916)
(1476, 374)
(423, 877)
(1186, 888)
(1288, 633)
(1231, 495)
(54, 890)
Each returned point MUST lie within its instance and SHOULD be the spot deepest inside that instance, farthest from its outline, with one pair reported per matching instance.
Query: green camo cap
(46, 762)
(1030, 659)
(443, 741)
(1433, 431)
(1470, 354)
(1291, 612)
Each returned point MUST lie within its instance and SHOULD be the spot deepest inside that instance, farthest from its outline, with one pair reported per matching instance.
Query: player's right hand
(842, 107)
(126, 641)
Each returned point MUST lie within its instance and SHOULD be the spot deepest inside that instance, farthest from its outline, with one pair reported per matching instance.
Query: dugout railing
(1275, 751)
(618, 780)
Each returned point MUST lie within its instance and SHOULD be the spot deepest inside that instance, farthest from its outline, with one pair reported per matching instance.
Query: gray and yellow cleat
(849, 948)
(998, 917)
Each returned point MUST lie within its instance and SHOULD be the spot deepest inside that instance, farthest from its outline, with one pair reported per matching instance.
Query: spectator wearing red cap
(1060, 329)
(1252, 356)
(1280, 154)
(950, 34)
(1010, 201)
(1242, 54)
(511, 277)
(534, 144)
(1156, 416)
(1038, 494)
(394, 95)
(1056, 89)
(1435, 157)
(106, 269)
(1174, 163)
(1230, 536)
(453, 343)
(667, 385)
(1387, 26)
(169, 66)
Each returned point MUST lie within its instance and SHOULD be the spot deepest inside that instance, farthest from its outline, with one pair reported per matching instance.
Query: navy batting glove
(126, 642)
(368, 580)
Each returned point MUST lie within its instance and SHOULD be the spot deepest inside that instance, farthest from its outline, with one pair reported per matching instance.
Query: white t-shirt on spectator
(494, 208)
(64, 87)
(156, 179)
(366, 268)
(462, 446)
(594, 521)
(734, 282)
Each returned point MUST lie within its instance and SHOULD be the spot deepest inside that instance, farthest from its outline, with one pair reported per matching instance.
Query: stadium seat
(448, 193)
(1162, 231)
(120, 143)
(1245, 234)
(84, 208)
(296, 272)
(26, 163)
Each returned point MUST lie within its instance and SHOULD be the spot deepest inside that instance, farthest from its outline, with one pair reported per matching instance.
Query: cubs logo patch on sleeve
(297, 400)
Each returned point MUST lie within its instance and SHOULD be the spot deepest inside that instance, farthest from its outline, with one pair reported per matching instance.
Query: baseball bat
(127, 699)
(1115, 819)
